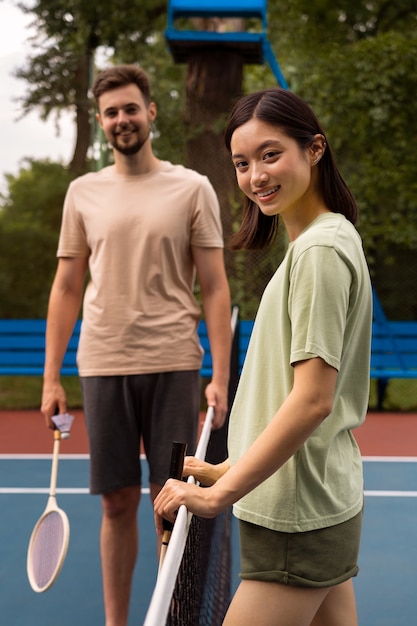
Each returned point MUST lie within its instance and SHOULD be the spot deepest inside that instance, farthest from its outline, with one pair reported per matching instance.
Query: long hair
(119, 76)
(282, 108)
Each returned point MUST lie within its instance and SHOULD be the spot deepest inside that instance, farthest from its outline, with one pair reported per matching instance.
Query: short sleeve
(206, 227)
(318, 303)
(72, 238)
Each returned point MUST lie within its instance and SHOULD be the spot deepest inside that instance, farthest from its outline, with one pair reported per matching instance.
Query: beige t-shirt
(139, 314)
(318, 304)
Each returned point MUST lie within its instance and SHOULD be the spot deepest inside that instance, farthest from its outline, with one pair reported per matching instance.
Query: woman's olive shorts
(316, 558)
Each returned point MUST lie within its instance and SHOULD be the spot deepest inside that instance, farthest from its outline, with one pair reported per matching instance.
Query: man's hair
(120, 76)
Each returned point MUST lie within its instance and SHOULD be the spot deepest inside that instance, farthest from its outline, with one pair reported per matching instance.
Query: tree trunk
(214, 81)
(82, 81)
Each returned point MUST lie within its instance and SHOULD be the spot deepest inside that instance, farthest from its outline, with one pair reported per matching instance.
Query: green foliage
(60, 72)
(68, 29)
(370, 123)
(29, 224)
(353, 61)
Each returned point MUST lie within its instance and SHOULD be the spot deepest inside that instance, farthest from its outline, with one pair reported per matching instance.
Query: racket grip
(175, 471)
(177, 459)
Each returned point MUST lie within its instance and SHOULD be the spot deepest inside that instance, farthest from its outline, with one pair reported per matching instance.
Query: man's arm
(217, 310)
(64, 305)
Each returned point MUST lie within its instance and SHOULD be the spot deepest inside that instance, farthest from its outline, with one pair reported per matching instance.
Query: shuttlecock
(63, 422)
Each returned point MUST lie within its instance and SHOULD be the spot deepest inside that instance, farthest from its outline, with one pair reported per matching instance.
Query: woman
(294, 472)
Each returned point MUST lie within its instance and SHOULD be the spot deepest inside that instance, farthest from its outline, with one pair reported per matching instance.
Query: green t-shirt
(318, 304)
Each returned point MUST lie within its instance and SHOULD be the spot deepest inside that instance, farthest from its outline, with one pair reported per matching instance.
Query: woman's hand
(205, 473)
(200, 501)
(176, 493)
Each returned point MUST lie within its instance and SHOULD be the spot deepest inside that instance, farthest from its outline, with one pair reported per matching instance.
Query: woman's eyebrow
(266, 144)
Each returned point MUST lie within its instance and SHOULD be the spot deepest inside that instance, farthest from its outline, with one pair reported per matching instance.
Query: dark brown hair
(120, 76)
(280, 107)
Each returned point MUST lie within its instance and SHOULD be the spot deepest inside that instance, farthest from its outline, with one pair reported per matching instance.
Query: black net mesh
(202, 591)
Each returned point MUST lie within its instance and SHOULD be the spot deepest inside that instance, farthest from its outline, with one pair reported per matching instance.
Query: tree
(29, 227)
(353, 61)
(68, 34)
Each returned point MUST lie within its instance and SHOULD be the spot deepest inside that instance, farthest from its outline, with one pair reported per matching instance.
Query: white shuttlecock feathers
(63, 422)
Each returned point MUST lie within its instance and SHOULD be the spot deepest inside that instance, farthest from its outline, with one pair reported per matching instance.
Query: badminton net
(194, 584)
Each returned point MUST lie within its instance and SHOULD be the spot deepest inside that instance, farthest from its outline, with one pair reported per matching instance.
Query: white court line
(45, 490)
(41, 457)
(81, 457)
(26, 490)
(60, 490)
(84, 490)
(46, 457)
(389, 459)
(390, 494)
(145, 490)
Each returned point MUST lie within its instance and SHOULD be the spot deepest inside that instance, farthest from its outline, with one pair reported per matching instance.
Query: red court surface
(23, 432)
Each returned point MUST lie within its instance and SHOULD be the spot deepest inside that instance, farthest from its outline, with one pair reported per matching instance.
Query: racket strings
(47, 548)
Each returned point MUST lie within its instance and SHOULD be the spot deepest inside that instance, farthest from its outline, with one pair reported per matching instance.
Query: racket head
(47, 549)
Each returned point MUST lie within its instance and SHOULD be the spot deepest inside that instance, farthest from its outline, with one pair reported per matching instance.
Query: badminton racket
(175, 471)
(48, 543)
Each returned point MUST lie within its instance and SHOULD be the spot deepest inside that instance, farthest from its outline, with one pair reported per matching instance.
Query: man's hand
(54, 400)
(217, 397)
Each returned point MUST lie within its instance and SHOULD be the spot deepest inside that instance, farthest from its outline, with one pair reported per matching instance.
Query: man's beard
(129, 149)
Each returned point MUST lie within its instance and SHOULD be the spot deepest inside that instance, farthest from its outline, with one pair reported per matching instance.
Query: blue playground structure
(253, 46)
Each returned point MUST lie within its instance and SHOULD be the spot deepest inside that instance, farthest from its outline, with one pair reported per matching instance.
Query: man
(142, 228)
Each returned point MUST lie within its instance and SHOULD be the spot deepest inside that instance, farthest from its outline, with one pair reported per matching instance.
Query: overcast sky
(29, 137)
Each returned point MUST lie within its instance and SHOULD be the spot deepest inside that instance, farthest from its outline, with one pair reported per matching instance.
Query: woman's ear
(318, 148)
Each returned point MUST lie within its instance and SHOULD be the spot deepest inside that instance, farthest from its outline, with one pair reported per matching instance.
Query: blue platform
(253, 44)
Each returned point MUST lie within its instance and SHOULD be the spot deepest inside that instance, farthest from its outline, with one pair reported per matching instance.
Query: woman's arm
(206, 473)
(308, 404)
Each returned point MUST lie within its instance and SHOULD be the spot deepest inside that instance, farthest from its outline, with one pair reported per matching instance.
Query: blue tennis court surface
(385, 588)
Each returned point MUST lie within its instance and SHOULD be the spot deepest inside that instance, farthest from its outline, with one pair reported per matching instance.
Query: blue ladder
(254, 47)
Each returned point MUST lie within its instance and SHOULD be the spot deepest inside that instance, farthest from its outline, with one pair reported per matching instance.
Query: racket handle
(175, 471)
(164, 547)
(177, 459)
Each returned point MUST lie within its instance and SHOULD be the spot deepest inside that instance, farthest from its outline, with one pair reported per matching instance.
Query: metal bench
(22, 348)
(393, 350)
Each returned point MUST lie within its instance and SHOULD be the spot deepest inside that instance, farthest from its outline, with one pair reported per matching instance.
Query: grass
(400, 395)
(24, 392)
